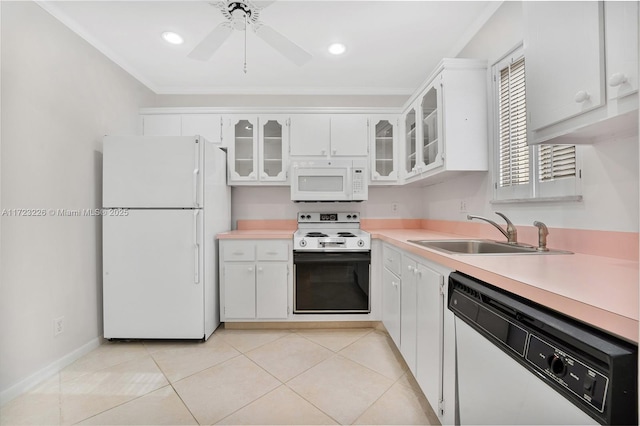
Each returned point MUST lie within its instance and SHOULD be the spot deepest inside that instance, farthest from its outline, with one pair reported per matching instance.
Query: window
(523, 171)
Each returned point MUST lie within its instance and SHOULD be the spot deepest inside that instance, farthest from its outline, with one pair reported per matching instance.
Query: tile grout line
(174, 390)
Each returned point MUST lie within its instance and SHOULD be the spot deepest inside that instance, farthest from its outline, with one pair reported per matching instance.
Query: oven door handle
(331, 256)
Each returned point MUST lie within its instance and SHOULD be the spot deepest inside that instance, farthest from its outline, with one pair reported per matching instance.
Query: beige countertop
(597, 290)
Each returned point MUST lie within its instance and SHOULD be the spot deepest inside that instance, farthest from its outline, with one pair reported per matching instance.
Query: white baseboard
(31, 381)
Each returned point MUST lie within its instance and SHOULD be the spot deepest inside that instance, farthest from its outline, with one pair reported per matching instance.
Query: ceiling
(392, 46)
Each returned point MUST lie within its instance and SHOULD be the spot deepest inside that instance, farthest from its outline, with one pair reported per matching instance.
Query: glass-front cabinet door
(431, 140)
(384, 149)
(242, 150)
(411, 160)
(273, 143)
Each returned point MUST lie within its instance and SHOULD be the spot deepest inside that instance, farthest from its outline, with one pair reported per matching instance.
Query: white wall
(610, 167)
(275, 203)
(59, 97)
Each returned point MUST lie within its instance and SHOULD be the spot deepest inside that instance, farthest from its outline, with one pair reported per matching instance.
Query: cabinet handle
(323, 152)
(393, 283)
(581, 96)
(250, 269)
(410, 268)
(334, 151)
(390, 260)
(617, 79)
(259, 268)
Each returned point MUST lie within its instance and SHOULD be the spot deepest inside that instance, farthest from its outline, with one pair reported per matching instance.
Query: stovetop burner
(316, 235)
(346, 234)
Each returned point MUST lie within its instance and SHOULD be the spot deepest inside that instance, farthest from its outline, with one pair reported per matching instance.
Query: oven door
(331, 282)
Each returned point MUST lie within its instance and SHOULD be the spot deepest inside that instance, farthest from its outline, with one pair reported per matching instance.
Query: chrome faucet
(511, 233)
(542, 236)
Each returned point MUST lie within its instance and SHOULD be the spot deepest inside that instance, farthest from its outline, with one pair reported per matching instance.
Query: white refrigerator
(164, 200)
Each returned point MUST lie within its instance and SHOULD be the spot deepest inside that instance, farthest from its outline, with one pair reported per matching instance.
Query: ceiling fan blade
(208, 46)
(286, 47)
(261, 4)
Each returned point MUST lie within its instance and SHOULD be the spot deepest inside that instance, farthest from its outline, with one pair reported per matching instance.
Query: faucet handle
(512, 232)
(543, 231)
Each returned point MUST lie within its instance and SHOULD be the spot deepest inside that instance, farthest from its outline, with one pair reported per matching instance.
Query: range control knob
(308, 216)
(348, 216)
(303, 243)
(360, 243)
(557, 365)
(355, 216)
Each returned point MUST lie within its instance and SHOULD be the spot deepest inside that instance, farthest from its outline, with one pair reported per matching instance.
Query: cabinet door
(273, 145)
(431, 138)
(408, 313)
(391, 305)
(243, 151)
(411, 158)
(239, 290)
(621, 27)
(162, 125)
(384, 149)
(271, 290)
(310, 134)
(208, 126)
(349, 135)
(429, 335)
(564, 59)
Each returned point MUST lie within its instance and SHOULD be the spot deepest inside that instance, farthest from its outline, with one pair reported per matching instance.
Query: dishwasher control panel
(574, 375)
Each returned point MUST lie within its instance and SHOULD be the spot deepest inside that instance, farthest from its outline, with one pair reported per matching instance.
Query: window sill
(566, 198)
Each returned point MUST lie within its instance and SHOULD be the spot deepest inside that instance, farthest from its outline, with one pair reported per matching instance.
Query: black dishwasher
(595, 371)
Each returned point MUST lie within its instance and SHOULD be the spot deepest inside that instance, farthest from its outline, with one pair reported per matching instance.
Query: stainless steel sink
(484, 247)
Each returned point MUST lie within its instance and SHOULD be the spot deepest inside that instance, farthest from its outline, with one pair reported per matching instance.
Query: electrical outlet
(463, 206)
(394, 207)
(58, 326)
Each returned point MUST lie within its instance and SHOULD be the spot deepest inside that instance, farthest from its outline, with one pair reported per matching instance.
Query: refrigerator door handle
(196, 277)
(196, 175)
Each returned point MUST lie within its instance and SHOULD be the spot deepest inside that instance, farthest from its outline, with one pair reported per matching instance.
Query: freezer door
(152, 171)
(153, 284)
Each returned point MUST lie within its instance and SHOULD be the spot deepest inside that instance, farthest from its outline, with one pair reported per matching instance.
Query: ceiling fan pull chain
(245, 42)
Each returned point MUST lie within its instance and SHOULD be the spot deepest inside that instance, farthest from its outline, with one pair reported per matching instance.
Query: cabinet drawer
(238, 251)
(273, 250)
(392, 260)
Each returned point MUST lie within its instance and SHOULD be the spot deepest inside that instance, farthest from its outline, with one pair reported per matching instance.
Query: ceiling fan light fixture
(337, 49)
(172, 38)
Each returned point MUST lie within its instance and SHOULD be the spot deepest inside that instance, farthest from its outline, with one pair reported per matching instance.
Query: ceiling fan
(242, 13)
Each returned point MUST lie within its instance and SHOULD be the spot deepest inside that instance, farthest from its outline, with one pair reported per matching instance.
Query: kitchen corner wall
(59, 97)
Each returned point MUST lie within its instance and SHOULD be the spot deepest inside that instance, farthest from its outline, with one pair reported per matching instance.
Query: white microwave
(328, 180)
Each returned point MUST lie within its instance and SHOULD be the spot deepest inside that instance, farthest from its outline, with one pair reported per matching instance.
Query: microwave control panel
(359, 186)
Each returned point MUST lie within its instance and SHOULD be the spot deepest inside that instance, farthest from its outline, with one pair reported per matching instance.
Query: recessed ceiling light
(337, 49)
(173, 38)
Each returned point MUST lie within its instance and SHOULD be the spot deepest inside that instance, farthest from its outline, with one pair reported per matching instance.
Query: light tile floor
(237, 377)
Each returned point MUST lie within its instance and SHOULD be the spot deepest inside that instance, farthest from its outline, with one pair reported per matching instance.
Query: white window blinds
(512, 118)
(556, 162)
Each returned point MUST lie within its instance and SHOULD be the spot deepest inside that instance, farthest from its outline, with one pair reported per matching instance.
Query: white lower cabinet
(254, 279)
(416, 317)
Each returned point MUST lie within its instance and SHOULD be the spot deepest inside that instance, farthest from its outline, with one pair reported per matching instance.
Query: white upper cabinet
(209, 126)
(621, 27)
(162, 125)
(564, 59)
(349, 135)
(384, 148)
(329, 135)
(581, 60)
(257, 149)
(310, 134)
(445, 126)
